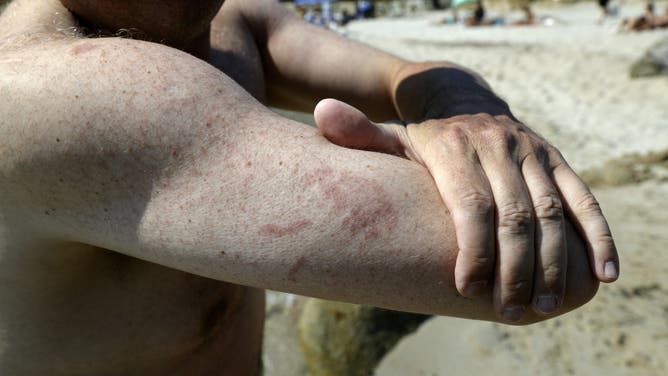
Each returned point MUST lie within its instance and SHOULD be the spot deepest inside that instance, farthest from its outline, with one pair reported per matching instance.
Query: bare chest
(76, 309)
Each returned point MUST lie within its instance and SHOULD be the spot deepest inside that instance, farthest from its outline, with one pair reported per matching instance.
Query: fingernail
(513, 313)
(610, 270)
(546, 304)
(474, 289)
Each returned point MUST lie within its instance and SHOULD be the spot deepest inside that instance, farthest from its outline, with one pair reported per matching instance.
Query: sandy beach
(570, 83)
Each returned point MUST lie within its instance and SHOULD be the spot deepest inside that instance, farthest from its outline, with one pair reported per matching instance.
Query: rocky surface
(341, 339)
(654, 63)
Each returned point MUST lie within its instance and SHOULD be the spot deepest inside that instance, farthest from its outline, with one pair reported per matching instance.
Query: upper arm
(141, 149)
(93, 127)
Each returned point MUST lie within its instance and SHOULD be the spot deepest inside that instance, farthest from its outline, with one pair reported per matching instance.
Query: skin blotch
(371, 220)
(280, 231)
(83, 48)
(292, 273)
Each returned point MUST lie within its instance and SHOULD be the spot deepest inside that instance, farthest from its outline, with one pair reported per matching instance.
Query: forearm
(337, 224)
(165, 159)
(304, 64)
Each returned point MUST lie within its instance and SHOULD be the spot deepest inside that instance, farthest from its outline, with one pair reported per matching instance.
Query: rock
(281, 353)
(346, 339)
(654, 63)
(629, 169)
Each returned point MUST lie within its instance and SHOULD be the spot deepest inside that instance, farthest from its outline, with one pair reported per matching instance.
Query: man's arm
(509, 191)
(304, 63)
(145, 150)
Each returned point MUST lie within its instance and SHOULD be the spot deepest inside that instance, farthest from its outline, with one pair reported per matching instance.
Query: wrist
(442, 90)
(451, 103)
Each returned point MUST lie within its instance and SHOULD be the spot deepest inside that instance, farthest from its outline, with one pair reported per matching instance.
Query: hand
(507, 190)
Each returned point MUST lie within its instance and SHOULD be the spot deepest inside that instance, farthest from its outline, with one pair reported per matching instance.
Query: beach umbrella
(461, 3)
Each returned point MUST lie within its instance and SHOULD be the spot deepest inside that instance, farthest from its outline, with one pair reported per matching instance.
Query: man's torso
(70, 308)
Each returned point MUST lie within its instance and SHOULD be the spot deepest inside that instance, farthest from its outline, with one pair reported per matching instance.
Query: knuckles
(515, 289)
(500, 137)
(476, 260)
(605, 243)
(485, 132)
(516, 218)
(475, 204)
(549, 207)
(588, 205)
(497, 138)
(451, 136)
(553, 275)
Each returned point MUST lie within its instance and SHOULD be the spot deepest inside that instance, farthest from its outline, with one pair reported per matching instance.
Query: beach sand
(570, 83)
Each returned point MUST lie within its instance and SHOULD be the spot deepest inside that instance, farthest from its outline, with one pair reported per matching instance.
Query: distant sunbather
(648, 21)
(478, 17)
(529, 18)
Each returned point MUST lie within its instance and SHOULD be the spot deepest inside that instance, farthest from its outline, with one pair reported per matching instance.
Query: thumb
(346, 126)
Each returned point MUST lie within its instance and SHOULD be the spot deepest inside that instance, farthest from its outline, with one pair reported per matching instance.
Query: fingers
(586, 214)
(514, 232)
(550, 237)
(465, 192)
(347, 126)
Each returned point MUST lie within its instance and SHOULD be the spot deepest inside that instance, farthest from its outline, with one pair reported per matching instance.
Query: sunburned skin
(371, 221)
(366, 221)
(283, 230)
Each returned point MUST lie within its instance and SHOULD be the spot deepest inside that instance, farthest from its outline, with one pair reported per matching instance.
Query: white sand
(570, 83)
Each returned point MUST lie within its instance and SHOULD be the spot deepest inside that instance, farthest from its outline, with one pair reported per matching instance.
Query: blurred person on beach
(148, 195)
(478, 17)
(366, 9)
(529, 18)
(605, 10)
(661, 22)
(647, 21)
(436, 4)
